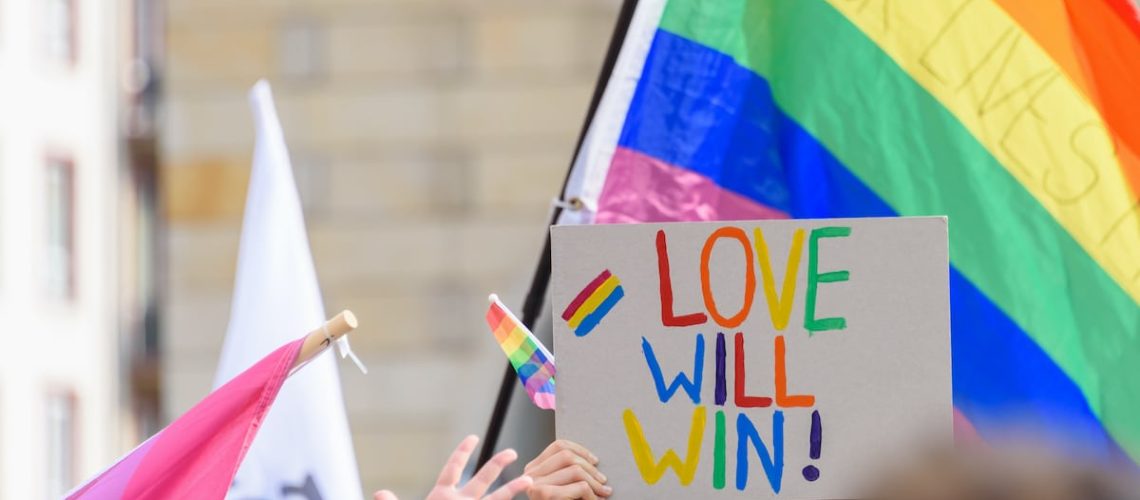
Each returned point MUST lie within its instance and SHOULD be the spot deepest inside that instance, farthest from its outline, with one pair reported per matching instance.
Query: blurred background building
(428, 138)
(78, 378)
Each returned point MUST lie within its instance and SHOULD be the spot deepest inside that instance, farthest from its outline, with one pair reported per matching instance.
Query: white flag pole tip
(492, 298)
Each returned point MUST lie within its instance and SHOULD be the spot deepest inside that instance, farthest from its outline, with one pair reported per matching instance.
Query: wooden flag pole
(321, 338)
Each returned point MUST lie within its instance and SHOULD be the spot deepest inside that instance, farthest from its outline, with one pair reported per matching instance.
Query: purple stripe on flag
(536, 382)
(544, 400)
(113, 482)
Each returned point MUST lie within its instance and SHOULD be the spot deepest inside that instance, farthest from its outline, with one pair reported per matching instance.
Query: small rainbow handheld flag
(534, 364)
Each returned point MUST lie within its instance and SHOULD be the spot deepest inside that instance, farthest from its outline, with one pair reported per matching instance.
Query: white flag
(304, 448)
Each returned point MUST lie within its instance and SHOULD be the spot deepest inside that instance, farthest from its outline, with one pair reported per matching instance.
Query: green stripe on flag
(522, 354)
(904, 145)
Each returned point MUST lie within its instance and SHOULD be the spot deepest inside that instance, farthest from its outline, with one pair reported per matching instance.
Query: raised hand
(447, 486)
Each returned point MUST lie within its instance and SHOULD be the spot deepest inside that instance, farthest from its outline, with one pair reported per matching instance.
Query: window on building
(61, 431)
(302, 50)
(60, 30)
(60, 226)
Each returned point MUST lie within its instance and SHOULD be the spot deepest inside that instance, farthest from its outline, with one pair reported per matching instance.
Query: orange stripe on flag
(504, 329)
(1098, 51)
(1112, 51)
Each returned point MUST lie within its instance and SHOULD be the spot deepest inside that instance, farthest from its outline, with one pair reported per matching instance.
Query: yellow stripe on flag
(1006, 90)
(514, 340)
(607, 287)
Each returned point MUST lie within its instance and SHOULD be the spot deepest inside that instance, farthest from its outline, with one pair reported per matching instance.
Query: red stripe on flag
(585, 294)
(495, 315)
(1129, 13)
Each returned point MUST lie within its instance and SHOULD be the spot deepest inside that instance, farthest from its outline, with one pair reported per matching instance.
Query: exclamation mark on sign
(811, 472)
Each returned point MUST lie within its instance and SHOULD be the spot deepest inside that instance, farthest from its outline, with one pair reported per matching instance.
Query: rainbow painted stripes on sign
(531, 360)
(1015, 119)
(593, 303)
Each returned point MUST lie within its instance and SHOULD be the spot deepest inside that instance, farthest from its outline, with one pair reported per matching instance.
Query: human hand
(566, 469)
(447, 486)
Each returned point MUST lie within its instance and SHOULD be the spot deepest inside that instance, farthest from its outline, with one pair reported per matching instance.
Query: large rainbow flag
(1016, 118)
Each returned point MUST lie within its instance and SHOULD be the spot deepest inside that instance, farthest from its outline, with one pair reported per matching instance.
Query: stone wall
(428, 137)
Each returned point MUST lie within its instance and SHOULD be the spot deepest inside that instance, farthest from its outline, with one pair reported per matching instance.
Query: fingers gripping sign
(447, 486)
(566, 469)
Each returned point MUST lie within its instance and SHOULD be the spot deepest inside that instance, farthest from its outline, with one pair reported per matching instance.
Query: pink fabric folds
(197, 455)
(964, 431)
(640, 188)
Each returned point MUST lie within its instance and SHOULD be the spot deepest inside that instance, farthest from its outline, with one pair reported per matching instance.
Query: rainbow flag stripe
(534, 364)
(593, 303)
(1015, 119)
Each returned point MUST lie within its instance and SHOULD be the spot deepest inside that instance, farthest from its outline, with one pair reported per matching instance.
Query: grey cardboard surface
(881, 385)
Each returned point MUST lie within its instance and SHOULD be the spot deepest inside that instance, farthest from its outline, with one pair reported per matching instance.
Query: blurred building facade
(428, 138)
(78, 383)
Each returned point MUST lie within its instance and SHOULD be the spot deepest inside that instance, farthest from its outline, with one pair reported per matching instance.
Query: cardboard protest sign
(789, 359)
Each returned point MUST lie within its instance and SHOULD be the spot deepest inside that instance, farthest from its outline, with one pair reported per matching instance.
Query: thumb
(384, 495)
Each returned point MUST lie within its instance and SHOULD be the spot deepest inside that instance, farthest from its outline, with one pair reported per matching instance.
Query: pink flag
(197, 455)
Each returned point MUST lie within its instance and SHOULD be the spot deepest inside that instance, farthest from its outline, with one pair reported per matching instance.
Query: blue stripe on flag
(590, 321)
(727, 140)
